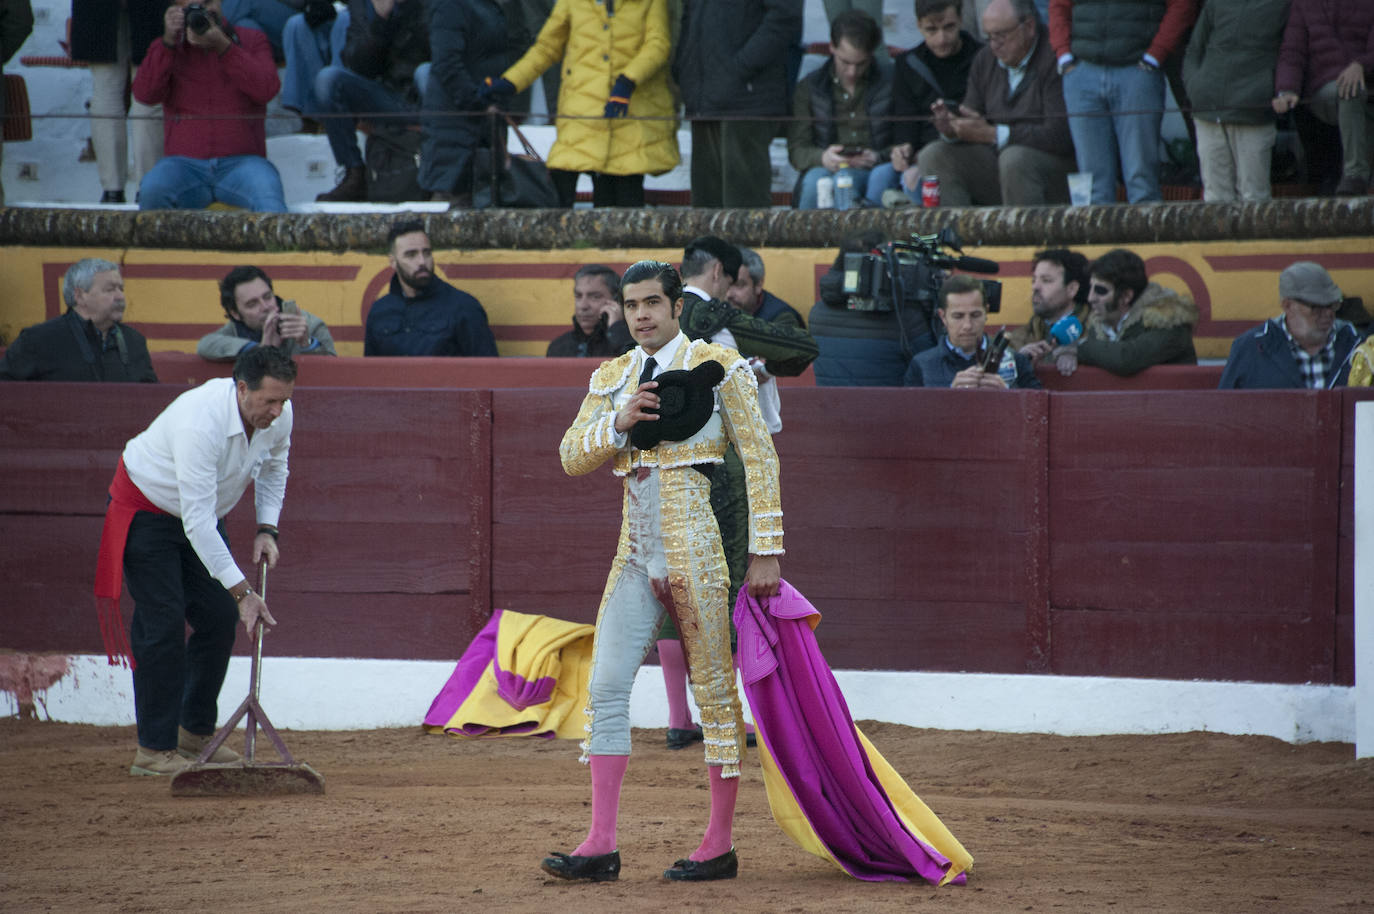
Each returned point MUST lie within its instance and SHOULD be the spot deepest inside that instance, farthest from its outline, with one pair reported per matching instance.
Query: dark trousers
(607, 190)
(730, 164)
(176, 679)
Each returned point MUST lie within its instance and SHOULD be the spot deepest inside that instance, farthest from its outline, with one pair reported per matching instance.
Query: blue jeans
(885, 177)
(180, 182)
(1104, 134)
(308, 51)
(341, 91)
(807, 198)
(267, 16)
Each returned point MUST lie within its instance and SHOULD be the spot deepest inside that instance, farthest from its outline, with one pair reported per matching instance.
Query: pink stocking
(674, 663)
(608, 771)
(719, 831)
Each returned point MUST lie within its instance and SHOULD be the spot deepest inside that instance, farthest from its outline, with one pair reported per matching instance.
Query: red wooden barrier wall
(1176, 534)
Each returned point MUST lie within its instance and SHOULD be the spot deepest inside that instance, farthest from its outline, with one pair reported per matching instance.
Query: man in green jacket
(1134, 324)
(258, 317)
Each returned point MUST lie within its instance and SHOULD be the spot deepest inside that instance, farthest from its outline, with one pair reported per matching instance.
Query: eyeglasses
(1004, 34)
(1099, 289)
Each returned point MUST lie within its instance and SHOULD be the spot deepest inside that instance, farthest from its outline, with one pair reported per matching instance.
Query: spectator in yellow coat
(616, 117)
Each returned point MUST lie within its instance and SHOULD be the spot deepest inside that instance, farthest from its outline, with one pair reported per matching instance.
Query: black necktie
(648, 373)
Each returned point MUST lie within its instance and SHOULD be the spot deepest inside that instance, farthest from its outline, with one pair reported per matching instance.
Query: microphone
(976, 265)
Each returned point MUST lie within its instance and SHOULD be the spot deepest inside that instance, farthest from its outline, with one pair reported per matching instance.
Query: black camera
(197, 19)
(908, 274)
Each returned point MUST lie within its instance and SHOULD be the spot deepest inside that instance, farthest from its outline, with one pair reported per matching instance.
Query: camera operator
(965, 358)
(213, 81)
(863, 348)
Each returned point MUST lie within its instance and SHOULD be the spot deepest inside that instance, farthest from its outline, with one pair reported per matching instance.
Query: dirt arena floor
(410, 822)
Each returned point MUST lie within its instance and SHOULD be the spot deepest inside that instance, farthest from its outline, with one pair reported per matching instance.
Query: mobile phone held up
(992, 358)
(288, 307)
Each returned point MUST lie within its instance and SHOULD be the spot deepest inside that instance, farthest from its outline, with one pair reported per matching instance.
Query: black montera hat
(685, 402)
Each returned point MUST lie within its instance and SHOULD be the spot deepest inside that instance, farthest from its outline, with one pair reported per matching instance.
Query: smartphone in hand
(289, 307)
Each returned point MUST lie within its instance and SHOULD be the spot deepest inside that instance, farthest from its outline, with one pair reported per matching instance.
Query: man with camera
(213, 81)
(965, 358)
(259, 317)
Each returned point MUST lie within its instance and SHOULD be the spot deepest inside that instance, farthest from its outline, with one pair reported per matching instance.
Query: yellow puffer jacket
(596, 48)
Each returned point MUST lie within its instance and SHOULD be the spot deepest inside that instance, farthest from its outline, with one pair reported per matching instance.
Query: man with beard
(423, 315)
(1059, 292)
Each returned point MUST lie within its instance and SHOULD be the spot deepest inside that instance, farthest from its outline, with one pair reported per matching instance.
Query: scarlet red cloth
(126, 500)
(212, 105)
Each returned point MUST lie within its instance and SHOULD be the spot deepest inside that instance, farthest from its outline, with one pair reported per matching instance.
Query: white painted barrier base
(343, 694)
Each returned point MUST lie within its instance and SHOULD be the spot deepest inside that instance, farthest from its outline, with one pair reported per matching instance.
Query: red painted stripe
(557, 270)
(216, 272)
(1230, 263)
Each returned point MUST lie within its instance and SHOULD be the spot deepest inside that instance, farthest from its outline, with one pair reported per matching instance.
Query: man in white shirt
(174, 484)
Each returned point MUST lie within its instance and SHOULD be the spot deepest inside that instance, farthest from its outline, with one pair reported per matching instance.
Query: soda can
(930, 190)
(825, 193)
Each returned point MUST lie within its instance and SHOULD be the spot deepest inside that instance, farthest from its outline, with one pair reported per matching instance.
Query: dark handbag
(523, 180)
(392, 158)
(18, 125)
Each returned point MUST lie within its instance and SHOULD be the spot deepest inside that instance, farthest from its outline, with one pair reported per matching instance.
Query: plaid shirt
(1313, 368)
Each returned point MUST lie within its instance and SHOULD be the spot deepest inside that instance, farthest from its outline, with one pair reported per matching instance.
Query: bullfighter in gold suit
(664, 437)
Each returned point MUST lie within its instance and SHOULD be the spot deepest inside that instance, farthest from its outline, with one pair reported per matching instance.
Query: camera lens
(196, 20)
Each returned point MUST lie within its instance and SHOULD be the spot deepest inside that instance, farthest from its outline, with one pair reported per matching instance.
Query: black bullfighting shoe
(597, 868)
(726, 866)
(681, 739)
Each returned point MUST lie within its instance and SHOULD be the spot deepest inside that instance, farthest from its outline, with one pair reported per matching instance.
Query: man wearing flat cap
(1305, 346)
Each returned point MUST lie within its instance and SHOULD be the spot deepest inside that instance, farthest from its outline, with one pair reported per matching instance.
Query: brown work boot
(352, 188)
(157, 762)
(190, 745)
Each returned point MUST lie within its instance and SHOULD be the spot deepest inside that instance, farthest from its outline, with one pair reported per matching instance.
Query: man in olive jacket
(732, 60)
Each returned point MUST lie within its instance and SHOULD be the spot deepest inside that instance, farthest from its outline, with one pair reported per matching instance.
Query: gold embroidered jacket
(592, 439)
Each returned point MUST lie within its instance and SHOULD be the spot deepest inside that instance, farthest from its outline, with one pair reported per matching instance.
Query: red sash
(125, 501)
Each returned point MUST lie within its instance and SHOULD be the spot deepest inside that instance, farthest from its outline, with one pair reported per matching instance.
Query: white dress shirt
(195, 461)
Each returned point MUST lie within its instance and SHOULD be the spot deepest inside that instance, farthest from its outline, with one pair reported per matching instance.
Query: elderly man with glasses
(1305, 346)
(1009, 141)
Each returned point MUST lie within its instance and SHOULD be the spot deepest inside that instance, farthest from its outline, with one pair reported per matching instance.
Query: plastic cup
(1080, 188)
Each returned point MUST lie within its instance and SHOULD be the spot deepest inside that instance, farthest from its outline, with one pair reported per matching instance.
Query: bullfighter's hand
(636, 410)
(763, 576)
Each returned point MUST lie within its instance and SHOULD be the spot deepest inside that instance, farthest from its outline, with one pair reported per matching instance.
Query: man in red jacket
(214, 82)
(1327, 55)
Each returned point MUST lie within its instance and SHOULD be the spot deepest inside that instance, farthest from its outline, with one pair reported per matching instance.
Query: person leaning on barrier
(957, 360)
(1009, 142)
(214, 82)
(1134, 324)
(258, 317)
(1305, 346)
(840, 112)
(1059, 292)
(88, 342)
(598, 325)
(422, 314)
